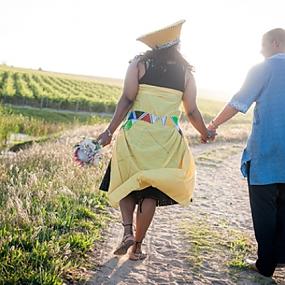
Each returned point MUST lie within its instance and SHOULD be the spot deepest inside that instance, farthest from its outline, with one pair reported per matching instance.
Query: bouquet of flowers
(87, 152)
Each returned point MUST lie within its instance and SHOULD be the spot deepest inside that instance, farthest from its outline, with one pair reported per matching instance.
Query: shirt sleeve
(251, 89)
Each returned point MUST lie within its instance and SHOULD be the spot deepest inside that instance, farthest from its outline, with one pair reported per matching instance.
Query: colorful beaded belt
(150, 118)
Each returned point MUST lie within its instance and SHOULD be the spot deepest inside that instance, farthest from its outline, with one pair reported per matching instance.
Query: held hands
(209, 137)
(211, 133)
(105, 138)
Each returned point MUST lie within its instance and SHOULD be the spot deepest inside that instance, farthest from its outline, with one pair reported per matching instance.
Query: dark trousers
(268, 213)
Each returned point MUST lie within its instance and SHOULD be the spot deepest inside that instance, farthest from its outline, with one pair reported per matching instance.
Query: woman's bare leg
(145, 213)
(127, 207)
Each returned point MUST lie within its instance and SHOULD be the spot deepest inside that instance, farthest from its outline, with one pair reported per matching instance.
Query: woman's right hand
(105, 138)
(211, 135)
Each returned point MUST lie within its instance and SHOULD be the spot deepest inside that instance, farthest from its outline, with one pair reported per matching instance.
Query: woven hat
(165, 37)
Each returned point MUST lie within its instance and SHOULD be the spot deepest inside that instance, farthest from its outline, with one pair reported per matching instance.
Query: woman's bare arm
(125, 102)
(191, 108)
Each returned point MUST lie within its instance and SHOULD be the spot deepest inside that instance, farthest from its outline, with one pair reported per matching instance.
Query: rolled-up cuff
(238, 106)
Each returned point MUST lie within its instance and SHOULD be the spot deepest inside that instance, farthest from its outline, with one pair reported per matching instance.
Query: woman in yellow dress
(151, 163)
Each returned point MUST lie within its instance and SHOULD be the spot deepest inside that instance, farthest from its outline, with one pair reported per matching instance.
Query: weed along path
(205, 243)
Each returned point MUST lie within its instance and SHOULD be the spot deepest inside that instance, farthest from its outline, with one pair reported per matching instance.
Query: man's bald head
(273, 42)
(277, 35)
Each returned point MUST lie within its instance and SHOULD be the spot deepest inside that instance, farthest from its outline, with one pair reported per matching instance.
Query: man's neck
(280, 50)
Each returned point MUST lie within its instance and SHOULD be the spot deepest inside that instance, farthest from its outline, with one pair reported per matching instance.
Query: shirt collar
(278, 55)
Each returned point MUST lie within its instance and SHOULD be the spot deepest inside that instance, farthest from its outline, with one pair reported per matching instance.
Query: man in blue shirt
(263, 160)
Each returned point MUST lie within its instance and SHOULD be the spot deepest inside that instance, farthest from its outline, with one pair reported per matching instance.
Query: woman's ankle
(137, 247)
(128, 229)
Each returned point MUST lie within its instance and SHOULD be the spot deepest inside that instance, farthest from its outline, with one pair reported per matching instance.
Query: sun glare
(220, 38)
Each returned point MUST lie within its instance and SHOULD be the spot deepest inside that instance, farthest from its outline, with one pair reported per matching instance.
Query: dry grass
(50, 210)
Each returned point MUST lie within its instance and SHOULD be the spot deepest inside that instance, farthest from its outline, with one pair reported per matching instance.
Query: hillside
(58, 91)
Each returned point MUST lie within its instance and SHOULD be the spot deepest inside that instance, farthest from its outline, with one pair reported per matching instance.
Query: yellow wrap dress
(150, 149)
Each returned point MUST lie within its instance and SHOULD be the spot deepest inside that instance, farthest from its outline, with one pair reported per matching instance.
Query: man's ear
(276, 44)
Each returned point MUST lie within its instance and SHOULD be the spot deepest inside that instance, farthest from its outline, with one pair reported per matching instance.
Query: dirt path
(190, 245)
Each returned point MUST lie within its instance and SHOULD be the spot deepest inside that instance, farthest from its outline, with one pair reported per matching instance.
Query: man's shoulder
(259, 66)
(259, 69)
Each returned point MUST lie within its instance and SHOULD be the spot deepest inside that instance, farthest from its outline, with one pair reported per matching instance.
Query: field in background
(57, 91)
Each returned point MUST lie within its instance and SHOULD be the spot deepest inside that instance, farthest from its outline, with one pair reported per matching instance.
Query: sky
(221, 38)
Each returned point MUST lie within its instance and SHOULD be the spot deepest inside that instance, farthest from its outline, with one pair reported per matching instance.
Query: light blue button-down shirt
(265, 85)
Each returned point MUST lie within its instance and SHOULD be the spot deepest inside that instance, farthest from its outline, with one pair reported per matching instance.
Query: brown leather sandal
(134, 255)
(126, 243)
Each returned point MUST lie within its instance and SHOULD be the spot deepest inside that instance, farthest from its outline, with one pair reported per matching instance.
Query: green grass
(51, 215)
(39, 124)
(215, 243)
